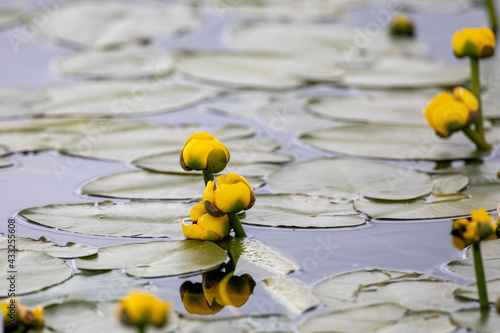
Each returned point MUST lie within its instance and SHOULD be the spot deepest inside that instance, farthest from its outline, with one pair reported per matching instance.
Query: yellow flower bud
(16, 315)
(141, 308)
(481, 226)
(401, 26)
(202, 151)
(232, 195)
(194, 300)
(206, 227)
(448, 113)
(234, 290)
(474, 43)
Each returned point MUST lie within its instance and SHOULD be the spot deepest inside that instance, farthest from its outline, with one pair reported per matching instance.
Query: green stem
(476, 89)
(480, 280)
(236, 224)
(490, 4)
(207, 176)
(481, 145)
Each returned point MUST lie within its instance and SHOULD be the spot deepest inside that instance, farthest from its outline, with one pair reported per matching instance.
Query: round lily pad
(255, 70)
(490, 252)
(159, 258)
(292, 293)
(301, 211)
(398, 72)
(127, 62)
(21, 103)
(90, 23)
(131, 219)
(120, 99)
(129, 145)
(245, 163)
(449, 184)
(400, 142)
(487, 196)
(33, 271)
(349, 178)
(65, 251)
(477, 320)
(385, 317)
(151, 185)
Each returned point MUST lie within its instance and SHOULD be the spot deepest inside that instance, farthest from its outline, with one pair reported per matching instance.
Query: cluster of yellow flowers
(141, 309)
(20, 318)
(214, 217)
(480, 226)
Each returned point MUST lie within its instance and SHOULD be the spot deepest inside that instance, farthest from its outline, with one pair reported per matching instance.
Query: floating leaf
(398, 72)
(120, 98)
(490, 252)
(362, 288)
(159, 258)
(245, 163)
(384, 108)
(449, 184)
(21, 103)
(301, 211)
(101, 317)
(344, 45)
(33, 271)
(131, 219)
(395, 142)
(4, 162)
(292, 293)
(255, 70)
(85, 24)
(68, 250)
(487, 196)
(111, 286)
(237, 324)
(129, 145)
(133, 61)
(150, 185)
(348, 178)
(257, 144)
(477, 320)
(386, 317)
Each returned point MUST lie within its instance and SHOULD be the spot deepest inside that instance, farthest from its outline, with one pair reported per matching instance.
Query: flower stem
(481, 145)
(236, 224)
(476, 89)
(490, 5)
(480, 280)
(207, 176)
(141, 328)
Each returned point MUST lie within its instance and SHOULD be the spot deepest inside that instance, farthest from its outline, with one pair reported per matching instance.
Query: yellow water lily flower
(481, 226)
(194, 300)
(141, 308)
(206, 227)
(234, 290)
(232, 195)
(401, 26)
(16, 316)
(203, 151)
(474, 43)
(448, 113)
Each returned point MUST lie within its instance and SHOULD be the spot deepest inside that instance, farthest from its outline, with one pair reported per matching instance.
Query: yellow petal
(219, 225)
(191, 231)
(467, 97)
(197, 211)
(209, 193)
(232, 198)
(480, 215)
(198, 136)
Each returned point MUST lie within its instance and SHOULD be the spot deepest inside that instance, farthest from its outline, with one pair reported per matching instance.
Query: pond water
(34, 179)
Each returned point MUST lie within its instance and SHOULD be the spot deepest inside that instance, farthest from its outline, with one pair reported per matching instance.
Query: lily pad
(237, 324)
(345, 45)
(490, 252)
(151, 185)
(110, 286)
(255, 70)
(91, 23)
(487, 196)
(449, 184)
(477, 320)
(5, 162)
(386, 317)
(254, 144)
(131, 219)
(21, 103)
(120, 99)
(399, 72)
(133, 144)
(101, 317)
(245, 163)
(158, 258)
(133, 61)
(292, 293)
(66, 251)
(9, 17)
(384, 108)
(33, 271)
(301, 211)
(348, 178)
(395, 142)
(361, 288)
(469, 291)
